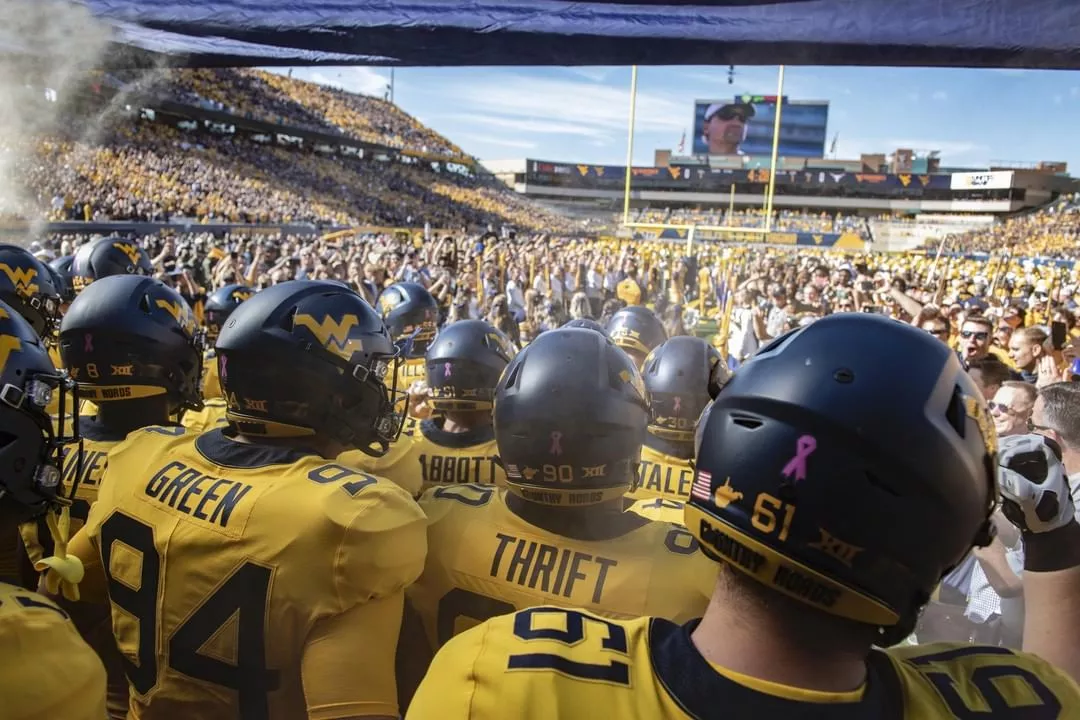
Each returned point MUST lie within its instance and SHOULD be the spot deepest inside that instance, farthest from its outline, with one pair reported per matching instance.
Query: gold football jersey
(427, 455)
(409, 371)
(46, 670)
(484, 560)
(211, 417)
(97, 442)
(362, 461)
(239, 575)
(211, 381)
(662, 476)
(658, 510)
(549, 662)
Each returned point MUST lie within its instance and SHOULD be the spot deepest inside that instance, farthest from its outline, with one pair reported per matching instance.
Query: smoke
(50, 55)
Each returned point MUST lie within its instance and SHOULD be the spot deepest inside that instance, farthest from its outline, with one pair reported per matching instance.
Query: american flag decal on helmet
(702, 487)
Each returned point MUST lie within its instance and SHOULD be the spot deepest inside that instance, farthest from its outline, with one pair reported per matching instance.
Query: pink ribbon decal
(678, 404)
(221, 367)
(556, 444)
(88, 343)
(446, 369)
(804, 448)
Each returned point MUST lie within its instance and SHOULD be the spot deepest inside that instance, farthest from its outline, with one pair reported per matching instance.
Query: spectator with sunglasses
(1011, 408)
(975, 338)
(1056, 414)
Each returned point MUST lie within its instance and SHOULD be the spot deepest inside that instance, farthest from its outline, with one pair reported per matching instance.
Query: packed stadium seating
(783, 220)
(287, 101)
(148, 171)
(1051, 231)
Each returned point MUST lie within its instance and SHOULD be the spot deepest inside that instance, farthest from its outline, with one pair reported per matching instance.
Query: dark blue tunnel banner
(971, 33)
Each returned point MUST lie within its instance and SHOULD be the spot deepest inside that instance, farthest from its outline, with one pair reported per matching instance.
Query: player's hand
(419, 400)
(1034, 487)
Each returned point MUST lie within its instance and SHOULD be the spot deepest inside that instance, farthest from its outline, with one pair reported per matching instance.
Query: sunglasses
(938, 332)
(981, 335)
(1003, 409)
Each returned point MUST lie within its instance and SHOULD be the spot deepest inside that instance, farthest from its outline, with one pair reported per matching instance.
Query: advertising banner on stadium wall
(705, 178)
(982, 181)
(744, 126)
(835, 241)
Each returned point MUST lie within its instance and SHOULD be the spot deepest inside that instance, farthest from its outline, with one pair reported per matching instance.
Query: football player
(132, 345)
(457, 445)
(411, 315)
(836, 499)
(108, 256)
(636, 330)
(46, 671)
(30, 288)
(26, 287)
(570, 417)
(249, 574)
(219, 306)
(679, 376)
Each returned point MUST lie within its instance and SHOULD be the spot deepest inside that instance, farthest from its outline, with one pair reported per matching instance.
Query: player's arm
(446, 692)
(348, 662)
(1036, 498)
(414, 656)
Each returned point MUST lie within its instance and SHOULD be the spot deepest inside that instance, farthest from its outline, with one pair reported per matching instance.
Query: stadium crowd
(1050, 231)
(291, 102)
(783, 220)
(520, 475)
(488, 424)
(149, 171)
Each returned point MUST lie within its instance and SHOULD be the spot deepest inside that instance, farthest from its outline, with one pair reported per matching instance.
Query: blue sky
(973, 117)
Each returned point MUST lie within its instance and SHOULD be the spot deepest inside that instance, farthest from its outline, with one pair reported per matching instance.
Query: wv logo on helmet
(22, 278)
(181, 313)
(129, 249)
(333, 334)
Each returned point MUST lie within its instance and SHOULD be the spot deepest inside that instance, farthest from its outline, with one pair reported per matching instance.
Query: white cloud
(940, 95)
(365, 80)
(595, 74)
(913, 96)
(501, 142)
(526, 125)
(1058, 99)
(593, 107)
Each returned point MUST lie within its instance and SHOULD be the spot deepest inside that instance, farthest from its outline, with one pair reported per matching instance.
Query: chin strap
(63, 572)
